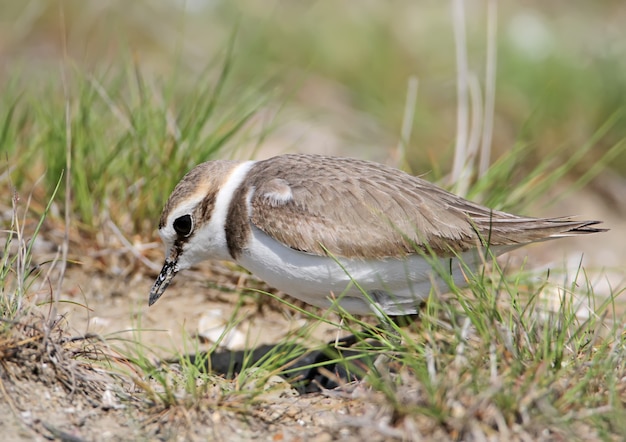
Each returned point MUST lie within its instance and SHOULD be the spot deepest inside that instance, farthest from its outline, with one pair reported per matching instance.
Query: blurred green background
(339, 68)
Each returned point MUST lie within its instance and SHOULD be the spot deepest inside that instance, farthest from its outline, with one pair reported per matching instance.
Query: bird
(339, 232)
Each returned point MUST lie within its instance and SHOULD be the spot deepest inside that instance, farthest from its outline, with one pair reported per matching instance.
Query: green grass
(132, 137)
(369, 52)
(17, 270)
(494, 355)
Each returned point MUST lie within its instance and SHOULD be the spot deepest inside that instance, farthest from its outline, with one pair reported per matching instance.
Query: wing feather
(354, 208)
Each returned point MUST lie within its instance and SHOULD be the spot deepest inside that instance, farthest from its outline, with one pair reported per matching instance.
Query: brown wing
(360, 209)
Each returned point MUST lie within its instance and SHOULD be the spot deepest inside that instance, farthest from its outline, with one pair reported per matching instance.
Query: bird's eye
(183, 225)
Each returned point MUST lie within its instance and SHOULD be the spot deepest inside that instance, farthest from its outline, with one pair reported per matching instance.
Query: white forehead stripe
(209, 240)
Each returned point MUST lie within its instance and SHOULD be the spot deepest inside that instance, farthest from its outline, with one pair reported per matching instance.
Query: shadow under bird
(330, 230)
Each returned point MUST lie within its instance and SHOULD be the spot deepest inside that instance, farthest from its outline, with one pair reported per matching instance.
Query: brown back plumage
(359, 209)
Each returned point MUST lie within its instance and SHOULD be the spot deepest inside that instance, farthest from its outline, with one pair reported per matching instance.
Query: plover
(330, 230)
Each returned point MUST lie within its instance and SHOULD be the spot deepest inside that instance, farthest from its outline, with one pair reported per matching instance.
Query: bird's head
(192, 222)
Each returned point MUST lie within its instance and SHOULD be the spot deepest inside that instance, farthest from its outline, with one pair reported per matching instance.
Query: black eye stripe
(183, 225)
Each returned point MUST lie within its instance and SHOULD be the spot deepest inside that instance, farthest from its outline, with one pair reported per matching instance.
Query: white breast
(396, 286)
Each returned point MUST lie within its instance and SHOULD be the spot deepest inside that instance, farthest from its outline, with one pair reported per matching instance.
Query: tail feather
(577, 227)
(522, 230)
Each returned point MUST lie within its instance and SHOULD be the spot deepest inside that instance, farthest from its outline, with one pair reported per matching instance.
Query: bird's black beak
(169, 270)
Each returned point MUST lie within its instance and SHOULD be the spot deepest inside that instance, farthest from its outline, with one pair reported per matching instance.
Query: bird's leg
(392, 335)
(385, 330)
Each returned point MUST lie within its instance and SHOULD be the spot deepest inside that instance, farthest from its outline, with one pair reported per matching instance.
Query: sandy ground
(111, 302)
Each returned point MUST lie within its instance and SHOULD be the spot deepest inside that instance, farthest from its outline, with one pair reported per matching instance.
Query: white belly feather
(396, 286)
